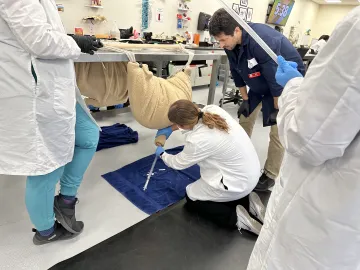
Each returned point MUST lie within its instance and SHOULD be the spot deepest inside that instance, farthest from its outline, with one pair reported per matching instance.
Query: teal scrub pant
(40, 190)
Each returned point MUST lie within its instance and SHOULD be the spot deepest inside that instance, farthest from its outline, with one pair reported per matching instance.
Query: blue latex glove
(286, 71)
(165, 131)
(159, 151)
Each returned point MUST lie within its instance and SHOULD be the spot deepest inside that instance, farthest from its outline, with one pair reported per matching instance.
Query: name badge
(254, 75)
(252, 63)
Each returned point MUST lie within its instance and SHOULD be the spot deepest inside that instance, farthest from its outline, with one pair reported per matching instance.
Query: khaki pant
(275, 151)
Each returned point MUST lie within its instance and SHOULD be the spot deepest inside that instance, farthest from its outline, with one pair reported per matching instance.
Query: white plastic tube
(248, 29)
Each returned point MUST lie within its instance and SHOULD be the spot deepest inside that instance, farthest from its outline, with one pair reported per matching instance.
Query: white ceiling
(343, 2)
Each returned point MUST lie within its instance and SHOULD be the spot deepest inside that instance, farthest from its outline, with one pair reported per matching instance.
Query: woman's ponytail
(184, 112)
(214, 121)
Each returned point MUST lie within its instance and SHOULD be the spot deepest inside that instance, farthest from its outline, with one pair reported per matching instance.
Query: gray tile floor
(104, 210)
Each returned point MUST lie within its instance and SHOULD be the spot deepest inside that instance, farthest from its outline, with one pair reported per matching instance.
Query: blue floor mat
(166, 187)
(116, 135)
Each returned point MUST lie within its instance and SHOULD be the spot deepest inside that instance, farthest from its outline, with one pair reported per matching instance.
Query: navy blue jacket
(261, 77)
(249, 49)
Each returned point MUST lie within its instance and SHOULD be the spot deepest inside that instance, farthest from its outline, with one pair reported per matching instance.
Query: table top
(151, 56)
(309, 57)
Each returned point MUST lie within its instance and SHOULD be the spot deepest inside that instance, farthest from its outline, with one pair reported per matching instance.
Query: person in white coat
(229, 165)
(47, 132)
(313, 218)
(319, 45)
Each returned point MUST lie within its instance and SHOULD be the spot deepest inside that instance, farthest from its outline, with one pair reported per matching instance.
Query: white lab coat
(36, 121)
(313, 217)
(230, 157)
(318, 46)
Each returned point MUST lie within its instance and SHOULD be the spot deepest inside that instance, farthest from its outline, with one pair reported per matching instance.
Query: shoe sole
(59, 217)
(255, 200)
(241, 212)
(40, 243)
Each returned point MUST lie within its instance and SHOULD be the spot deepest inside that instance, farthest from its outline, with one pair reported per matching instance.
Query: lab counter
(308, 58)
(159, 57)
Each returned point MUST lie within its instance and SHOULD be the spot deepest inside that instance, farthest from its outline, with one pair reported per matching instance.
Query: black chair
(302, 52)
(231, 97)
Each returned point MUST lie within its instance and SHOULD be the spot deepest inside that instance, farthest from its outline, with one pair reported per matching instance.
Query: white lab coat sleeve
(320, 115)
(191, 155)
(28, 22)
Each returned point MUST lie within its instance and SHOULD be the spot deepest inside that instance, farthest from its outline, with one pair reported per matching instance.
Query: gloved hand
(165, 131)
(286, 71)
(244, 109)
(273, 116)
(87, 44)
(159, 151)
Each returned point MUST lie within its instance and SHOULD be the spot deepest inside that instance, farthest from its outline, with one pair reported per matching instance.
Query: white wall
(128, 13)
(306, 15)
(303, 16)
(125, 12)
(328, 17)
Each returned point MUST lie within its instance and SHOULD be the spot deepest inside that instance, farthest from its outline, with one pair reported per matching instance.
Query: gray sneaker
(245, 222)
(257, 208)
(60, 233)
(65, 214)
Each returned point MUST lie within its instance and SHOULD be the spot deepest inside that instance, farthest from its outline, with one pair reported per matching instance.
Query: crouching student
(229, 165)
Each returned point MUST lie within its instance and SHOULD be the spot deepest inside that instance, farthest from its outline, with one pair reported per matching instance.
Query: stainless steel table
(158, 57)
(308, 59)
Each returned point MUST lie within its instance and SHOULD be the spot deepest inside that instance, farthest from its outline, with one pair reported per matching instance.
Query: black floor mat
(173, 239)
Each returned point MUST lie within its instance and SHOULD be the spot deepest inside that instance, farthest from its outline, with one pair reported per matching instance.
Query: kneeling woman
(229, 165)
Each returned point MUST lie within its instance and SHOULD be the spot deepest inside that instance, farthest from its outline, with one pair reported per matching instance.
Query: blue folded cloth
(166, 186)
(116, 135)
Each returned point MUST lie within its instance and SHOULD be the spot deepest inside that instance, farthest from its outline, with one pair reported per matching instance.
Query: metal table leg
(226, 81)
(159, 66)
(214, 78)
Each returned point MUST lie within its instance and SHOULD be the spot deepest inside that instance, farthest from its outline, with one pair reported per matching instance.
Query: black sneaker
(60, 233)
(65, 214)
(265, 183)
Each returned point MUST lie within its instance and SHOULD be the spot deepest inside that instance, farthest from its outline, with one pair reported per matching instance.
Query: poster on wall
(249, 14)
(243, 13)
(236, 8)
(244, 3)
(280, 12)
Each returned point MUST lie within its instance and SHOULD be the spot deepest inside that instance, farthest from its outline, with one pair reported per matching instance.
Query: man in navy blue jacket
(252, 67)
